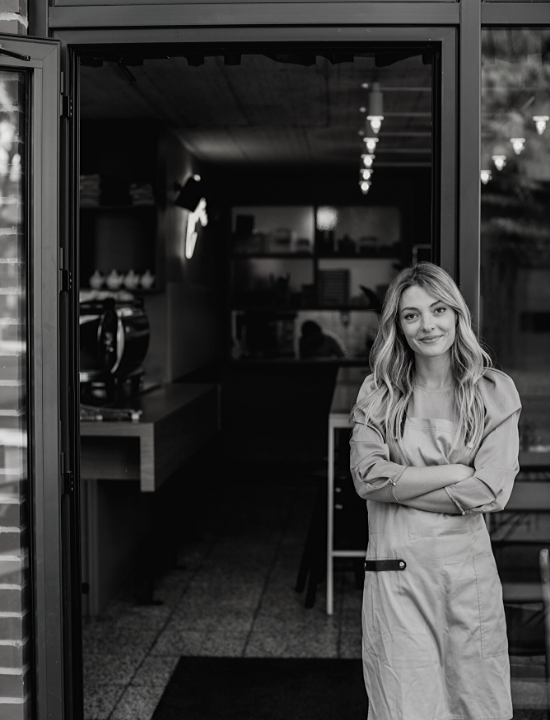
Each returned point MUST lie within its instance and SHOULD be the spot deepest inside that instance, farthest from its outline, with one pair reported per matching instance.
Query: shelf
(118, 207)
(341, 308)
(359, 256)
(352, 362)
(135, 291)
(272, 256)
(311, 256)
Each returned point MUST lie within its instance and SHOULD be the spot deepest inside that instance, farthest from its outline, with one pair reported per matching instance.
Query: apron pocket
(491, 608)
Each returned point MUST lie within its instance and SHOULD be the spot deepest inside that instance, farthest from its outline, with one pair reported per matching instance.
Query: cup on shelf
(114, 280)
(147, 280)
(96, 280)
(131, 280)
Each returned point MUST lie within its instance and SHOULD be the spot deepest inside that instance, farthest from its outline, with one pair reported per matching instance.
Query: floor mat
(264, 689)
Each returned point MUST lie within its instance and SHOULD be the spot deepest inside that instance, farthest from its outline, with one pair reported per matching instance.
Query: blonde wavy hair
(393, 365)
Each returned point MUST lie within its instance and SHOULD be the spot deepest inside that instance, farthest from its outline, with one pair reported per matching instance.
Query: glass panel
(13, 385)
(515, 302)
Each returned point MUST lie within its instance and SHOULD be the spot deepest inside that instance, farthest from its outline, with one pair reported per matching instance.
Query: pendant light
(370, 143)
(365, 186)
(541, 110)
(540, 122)
(485, 176)
(376, 108)
(499, 161)
(518, 143)
(368, 160)
(366, 174)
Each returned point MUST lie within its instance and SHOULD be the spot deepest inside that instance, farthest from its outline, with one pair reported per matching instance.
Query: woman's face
(429, 324)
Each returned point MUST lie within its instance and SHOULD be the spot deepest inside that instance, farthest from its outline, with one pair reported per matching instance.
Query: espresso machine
(114, 338)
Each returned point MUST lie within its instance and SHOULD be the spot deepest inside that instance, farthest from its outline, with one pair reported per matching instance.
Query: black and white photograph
(274, 360)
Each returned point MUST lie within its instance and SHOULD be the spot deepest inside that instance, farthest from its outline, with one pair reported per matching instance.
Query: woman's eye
(410, 316)
(440, 310)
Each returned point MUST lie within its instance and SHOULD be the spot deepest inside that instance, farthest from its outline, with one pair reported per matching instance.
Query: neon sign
(197, 219)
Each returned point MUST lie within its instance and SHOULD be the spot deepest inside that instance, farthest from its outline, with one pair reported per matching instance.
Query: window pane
(15, 645)
(515, 303)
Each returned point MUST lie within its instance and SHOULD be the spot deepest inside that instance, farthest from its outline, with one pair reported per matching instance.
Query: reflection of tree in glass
(12, 230)
(11, 105)
(515, 205)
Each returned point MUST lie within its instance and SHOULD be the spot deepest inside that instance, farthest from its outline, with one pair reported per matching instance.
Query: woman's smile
(431, 339)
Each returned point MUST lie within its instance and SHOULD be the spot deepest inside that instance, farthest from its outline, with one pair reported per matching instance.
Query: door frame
(44, 371)
(447, 233)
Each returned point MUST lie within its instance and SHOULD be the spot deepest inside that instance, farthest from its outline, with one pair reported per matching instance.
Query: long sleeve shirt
(431, 424)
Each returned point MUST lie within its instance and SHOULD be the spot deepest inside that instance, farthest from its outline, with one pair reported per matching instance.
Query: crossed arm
(450, 489)
(423, 488)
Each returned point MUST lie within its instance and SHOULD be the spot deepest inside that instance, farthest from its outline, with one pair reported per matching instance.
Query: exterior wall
(14, 17)
(15, 640)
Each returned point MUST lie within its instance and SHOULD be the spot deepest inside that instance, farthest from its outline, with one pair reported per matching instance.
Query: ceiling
(266, 112)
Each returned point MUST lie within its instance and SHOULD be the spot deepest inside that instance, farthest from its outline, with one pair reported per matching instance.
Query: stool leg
(359, 571)
(305, 565)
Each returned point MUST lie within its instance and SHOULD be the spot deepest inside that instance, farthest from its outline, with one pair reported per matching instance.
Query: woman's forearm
(436, 501)
(417, 481)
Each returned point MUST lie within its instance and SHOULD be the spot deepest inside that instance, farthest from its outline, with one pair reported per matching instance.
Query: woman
(434, 445)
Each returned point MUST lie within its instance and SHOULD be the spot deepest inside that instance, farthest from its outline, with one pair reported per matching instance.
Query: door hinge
(66, 108)
(66, 284)
(68, 482)
(67, 476)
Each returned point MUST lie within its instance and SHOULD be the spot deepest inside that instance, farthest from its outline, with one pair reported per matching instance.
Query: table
(527, 497)
(177, 420)
(348, 382)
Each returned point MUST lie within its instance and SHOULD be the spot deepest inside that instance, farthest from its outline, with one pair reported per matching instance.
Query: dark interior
(275, 128)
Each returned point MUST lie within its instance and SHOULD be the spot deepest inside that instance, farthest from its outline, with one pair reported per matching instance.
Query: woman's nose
(427, 322)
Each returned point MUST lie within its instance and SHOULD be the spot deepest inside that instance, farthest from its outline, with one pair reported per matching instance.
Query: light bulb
(485, 176)
(500, 161)
(517, 144)
(368, 160)
(370, 142)
(366, 174)
(375, 122)
(365, 186)
(363, 109)
(540, 122)
(327, 217)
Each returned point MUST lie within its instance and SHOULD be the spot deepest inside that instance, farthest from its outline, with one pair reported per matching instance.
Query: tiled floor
(234, 597)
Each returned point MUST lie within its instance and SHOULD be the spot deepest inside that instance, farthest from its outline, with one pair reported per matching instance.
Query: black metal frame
(44, 369)
(80, 24)
(444, 40)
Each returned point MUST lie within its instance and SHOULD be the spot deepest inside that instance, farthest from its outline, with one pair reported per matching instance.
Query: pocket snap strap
(380, 565)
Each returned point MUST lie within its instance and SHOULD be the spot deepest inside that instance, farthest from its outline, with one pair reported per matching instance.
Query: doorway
(311, 208)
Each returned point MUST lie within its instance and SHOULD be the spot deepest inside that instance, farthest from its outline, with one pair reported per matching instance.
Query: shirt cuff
(450, 494)
(398, 475)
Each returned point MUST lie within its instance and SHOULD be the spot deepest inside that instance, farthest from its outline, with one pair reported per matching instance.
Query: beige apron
(434, 634)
